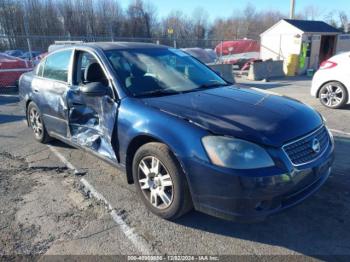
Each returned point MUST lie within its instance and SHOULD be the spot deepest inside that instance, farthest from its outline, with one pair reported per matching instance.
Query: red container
(11, 68)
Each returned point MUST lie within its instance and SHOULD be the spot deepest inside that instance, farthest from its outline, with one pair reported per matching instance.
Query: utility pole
(292, 9)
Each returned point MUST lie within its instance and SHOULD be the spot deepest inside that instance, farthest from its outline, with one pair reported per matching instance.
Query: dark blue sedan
(184, 136)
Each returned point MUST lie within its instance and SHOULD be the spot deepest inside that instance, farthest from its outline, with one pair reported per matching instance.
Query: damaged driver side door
(92, 110)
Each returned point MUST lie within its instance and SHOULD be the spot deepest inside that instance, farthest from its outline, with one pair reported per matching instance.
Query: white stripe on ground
(128, 231)
(339, 132)
(9, 95)
(62, 158)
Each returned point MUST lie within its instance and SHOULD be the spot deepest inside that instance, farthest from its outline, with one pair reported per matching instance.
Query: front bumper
(251, 196)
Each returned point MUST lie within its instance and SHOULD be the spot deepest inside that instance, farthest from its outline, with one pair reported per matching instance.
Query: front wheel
(160, 181)
(333, 95)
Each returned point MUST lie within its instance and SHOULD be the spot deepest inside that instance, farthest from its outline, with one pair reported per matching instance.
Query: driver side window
(88, 70)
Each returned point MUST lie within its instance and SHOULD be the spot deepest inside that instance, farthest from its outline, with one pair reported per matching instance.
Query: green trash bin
(310, 72)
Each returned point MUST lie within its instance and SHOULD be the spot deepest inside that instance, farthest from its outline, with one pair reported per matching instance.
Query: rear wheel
(36, 123)
(333, 95)
(160, 181)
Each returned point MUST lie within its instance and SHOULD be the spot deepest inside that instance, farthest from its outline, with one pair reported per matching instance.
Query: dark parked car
(182, 134)
(203, 55)
(15, 53)
(30, 55)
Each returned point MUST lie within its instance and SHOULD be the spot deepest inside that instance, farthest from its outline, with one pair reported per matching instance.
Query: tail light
(328, 64)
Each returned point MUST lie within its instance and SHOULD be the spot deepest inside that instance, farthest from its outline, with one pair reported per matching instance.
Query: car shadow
(346, 107)
(10, 118)
(61, 144)
(5, 99)
(292, 78)
(318, 226)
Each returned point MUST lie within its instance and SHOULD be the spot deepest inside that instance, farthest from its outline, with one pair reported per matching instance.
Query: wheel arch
(134, 145)
(26, 107)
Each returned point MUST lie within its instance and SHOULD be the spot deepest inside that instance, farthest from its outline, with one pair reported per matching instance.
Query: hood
(257, 116)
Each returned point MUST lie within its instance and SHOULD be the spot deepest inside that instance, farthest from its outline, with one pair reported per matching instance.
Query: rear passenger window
(40, 69)
(56, 66)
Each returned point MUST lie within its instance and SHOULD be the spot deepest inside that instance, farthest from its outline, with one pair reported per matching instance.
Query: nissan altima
(184, 136)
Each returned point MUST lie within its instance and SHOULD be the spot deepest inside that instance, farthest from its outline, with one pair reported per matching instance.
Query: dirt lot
(39, 206)
(44, 208)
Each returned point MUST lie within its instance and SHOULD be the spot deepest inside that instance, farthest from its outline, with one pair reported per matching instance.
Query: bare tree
(312, 12)
(330, 19)
(139, 19)
(11, 21)
(344, 21)
(200, 23)
(109, 18)
(244, 24)
(180, 27)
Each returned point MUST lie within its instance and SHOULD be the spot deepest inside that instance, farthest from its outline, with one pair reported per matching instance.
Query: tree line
(106, 18)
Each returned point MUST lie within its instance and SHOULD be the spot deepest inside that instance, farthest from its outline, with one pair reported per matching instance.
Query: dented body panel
(92, 123)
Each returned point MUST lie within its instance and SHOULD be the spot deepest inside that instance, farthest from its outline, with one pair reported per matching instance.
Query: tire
(36, 123)
(153, 187)
(333, 95)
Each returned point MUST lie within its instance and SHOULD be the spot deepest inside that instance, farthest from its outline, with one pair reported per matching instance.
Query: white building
(313, 41)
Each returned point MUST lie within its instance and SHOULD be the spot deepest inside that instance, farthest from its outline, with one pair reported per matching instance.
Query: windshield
(161, 71)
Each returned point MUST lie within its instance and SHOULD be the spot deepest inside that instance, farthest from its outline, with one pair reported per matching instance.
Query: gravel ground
(39, 206)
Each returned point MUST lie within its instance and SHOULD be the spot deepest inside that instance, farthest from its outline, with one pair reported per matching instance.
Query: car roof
(121, 45)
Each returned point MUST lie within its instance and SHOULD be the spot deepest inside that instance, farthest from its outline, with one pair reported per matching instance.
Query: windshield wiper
(157, 92)
(209, 85)
(170, 91)
(206, 86)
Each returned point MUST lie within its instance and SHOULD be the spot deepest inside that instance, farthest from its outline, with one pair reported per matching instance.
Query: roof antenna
(292, 9)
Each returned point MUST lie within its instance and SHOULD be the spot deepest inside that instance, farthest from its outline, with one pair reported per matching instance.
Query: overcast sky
(224, 8)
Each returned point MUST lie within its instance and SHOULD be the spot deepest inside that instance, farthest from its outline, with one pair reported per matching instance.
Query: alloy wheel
(155, 182)
(36, 122)
(332, 95)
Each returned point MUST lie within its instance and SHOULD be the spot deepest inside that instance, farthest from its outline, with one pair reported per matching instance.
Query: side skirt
(105, 159)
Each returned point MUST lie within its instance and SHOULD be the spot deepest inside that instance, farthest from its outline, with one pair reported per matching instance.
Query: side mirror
(94, 89)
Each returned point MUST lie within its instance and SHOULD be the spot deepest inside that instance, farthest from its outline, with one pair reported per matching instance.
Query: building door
(327, 48)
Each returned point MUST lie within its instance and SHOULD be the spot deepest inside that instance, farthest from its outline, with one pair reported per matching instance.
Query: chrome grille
(301, 151)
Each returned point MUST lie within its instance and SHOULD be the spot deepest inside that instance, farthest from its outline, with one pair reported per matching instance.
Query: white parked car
(331, 83)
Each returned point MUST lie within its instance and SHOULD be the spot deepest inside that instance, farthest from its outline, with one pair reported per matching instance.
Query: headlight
(235, 153)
